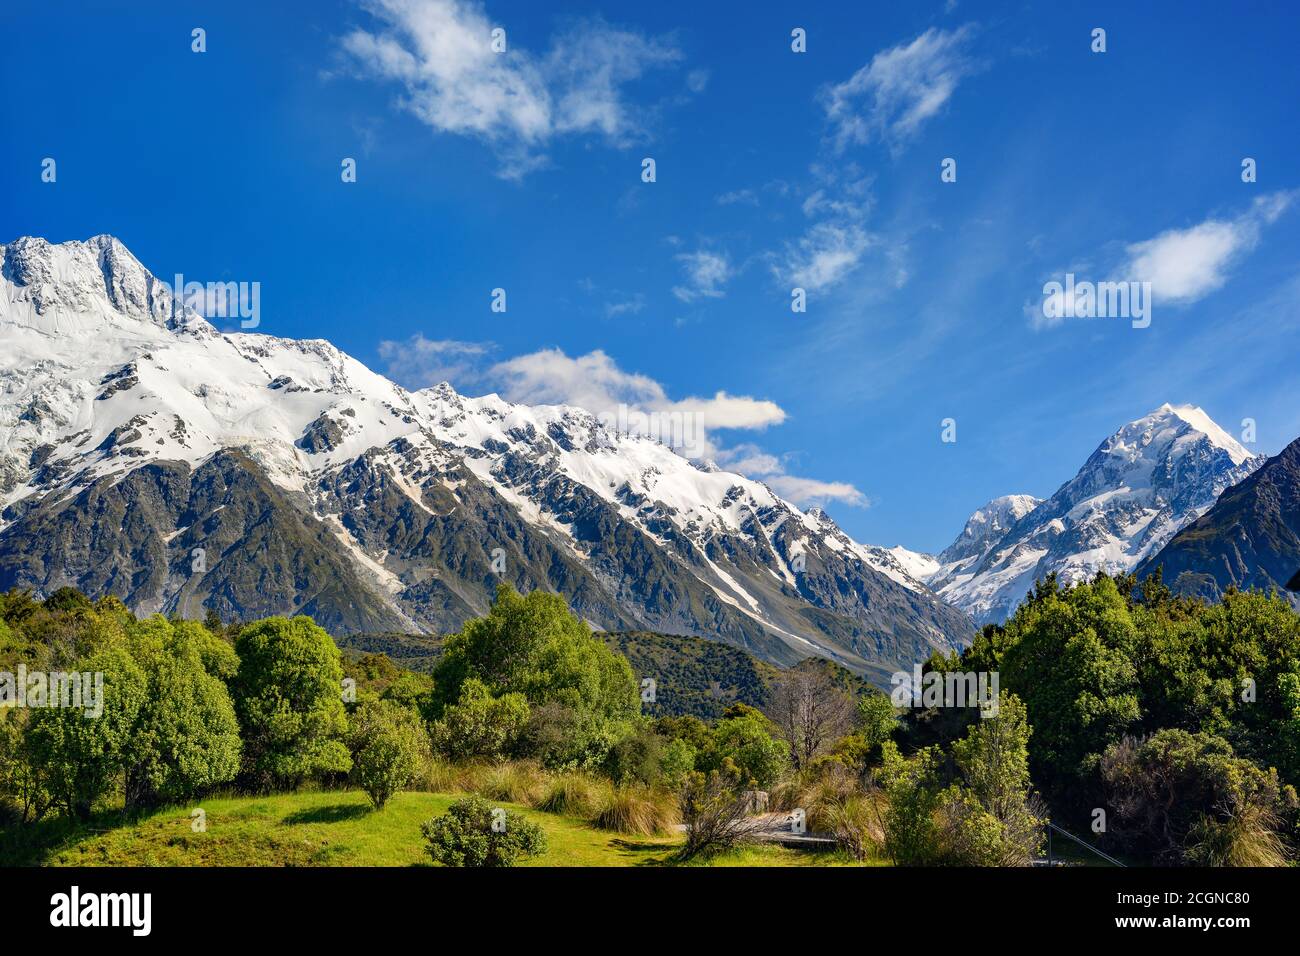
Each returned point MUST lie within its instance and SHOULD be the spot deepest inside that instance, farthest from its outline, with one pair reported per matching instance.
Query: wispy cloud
(419, 362)
(891, 97)
(706, 273)
(440, 52)
(823, 256)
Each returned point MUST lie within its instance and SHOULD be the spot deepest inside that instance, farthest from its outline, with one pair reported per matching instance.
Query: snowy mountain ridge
(102, 378)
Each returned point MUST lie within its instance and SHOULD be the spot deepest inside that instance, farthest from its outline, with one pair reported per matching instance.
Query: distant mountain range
(144, 453)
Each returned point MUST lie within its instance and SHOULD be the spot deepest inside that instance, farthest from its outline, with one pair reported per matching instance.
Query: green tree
(532, 645)
(388, 743)
(186, 738)
(288, 698)
(1069, 657)
(79, 756)
(751, 743)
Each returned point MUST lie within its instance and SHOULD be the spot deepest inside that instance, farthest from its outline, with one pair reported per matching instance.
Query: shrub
(750, 742)
(480, 725)
(466, 836)
(1186, 798)
(638, 757)
(714, 809)
(388, 743)
(637, 810)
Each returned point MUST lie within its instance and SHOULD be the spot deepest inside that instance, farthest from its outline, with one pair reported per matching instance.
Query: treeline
(1163, 728)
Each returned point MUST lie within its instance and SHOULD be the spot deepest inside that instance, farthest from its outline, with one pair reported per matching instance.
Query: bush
(388, 743)
(465, 836)
(637, 758)
(637, 810)
(1186, 798)
(714, 809)
(480, 725)
(750, 742)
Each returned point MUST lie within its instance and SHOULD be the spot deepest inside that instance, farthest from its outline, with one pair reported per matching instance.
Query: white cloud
(823, 256)
(752, 461)
(706, 274)
(625, 306)
(1182, 265)
(440, 52)
(420, 362)
(596, 383)
(1185, 265)
(746, 196)
(902, 87)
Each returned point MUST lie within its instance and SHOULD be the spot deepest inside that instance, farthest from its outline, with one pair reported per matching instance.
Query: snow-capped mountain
(146, 454)
(1137, 490)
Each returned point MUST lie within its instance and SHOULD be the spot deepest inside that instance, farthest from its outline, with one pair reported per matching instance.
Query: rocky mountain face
(1140, 487)
(146, 454)
(1249, 539)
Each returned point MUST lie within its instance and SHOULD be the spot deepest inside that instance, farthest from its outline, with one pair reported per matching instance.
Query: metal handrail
(1087, 846)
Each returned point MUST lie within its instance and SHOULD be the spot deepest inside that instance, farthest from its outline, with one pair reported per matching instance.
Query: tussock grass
(518, 782)
(576, 795)
(637, 810)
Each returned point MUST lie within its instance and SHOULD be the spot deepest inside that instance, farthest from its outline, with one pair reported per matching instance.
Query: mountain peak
(1197, 420)
(76, 286)
(1142, 485)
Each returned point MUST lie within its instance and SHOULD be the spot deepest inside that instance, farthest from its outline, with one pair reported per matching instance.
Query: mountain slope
(1136, 491)
(132, 433)
(1249, 539)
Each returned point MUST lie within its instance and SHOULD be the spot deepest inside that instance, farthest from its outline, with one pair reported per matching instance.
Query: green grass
(339, 828)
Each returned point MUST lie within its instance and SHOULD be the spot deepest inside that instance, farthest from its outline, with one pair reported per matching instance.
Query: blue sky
(774, 169)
